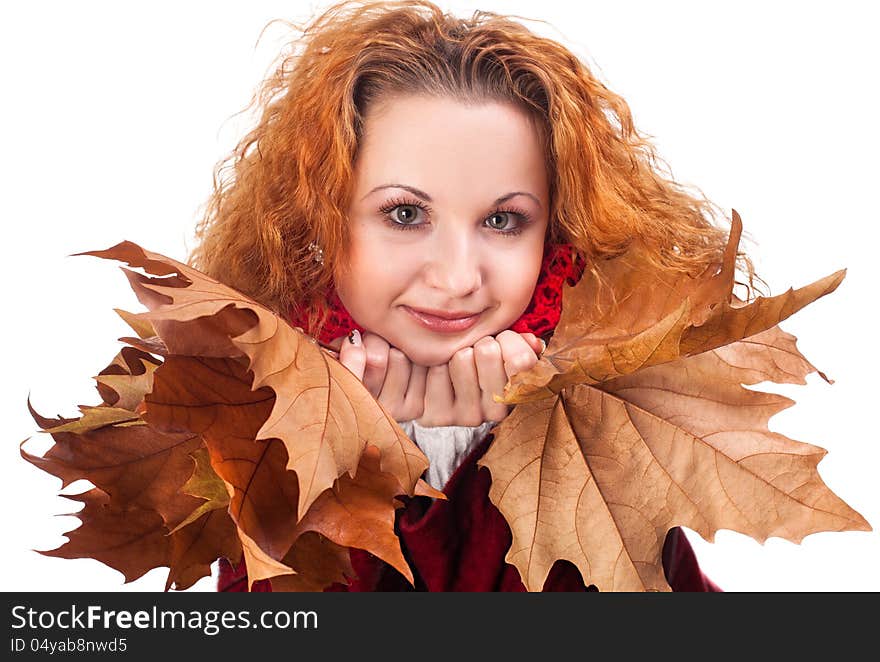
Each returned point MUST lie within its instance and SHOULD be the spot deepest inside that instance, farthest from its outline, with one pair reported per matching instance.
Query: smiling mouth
(443, 324)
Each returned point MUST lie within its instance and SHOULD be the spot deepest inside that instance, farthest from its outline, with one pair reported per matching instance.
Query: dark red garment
(460, 545)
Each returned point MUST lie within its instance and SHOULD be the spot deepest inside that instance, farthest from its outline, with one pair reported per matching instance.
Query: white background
(113, 115)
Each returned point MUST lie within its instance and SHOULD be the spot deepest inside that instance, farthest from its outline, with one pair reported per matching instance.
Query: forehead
(416, 136)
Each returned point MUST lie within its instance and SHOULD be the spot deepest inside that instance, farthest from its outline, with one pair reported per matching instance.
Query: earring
(317, 252)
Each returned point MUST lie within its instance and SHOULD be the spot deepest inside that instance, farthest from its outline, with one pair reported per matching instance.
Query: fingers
(353, 355)
(533, 341)
(396, 396)
(377, 349)
(460, 392)
(491, 376)
(468, 409)
(396, 379)
(439, 397)
(517, 353)
(414, 400)
(366, 357)
(386, 373)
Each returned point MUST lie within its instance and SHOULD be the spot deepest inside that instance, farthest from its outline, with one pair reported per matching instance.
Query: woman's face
(448, 215)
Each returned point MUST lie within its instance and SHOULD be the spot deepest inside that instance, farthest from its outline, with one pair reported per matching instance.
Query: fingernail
(354, 337)
(543, 346)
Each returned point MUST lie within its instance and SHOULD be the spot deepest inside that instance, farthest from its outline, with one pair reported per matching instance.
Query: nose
(454, 264)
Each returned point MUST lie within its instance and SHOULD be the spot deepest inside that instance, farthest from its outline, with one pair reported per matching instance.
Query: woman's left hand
(460, 392)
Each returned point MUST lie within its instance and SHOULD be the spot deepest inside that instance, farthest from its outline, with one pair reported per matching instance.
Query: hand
(457, 393)
(386, 372)
(460, 392)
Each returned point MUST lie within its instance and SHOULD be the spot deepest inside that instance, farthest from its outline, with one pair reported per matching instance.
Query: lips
(443, 321)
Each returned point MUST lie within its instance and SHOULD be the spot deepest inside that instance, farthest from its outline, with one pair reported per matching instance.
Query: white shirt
(445, 446)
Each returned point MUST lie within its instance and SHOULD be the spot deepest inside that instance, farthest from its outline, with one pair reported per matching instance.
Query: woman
(416, 192)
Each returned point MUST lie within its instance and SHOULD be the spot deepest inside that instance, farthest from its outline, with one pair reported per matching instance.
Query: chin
(434, 353)
(429, 357)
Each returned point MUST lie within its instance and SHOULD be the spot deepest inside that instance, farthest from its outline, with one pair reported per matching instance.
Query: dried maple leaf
(231, 433)
(139, 474)
(259, 564)
(636, 420)
(631, 316)
(129, 376)
(132, 540)
(213, 398)
(205, 484)
(359, 512)
(318, 562)
(234, 434)
(322, 413)
(195, 546)
(143, 328)
(115, 450)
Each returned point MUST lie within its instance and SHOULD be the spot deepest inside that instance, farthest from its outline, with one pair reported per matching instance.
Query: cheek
(374, 275)
(515, 277)
(349, 282)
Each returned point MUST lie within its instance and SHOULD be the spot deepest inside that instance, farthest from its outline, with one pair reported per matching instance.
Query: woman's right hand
(386, 372)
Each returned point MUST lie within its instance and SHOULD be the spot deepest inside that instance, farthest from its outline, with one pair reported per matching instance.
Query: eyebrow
(427, 198)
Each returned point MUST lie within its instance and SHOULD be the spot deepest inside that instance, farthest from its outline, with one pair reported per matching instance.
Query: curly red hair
(287, 183)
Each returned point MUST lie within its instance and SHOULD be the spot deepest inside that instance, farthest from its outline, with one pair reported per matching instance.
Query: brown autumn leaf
(212, 397)
(138, 473)
(632, 317)
(318, 563)
(353, 513)
(131, 540)
(113, 448)
(359, 512)
(617, 436)
(158, 471)
(123, 383)
(204, 484)
(206, 534)
(143, 328)
(195, 546)
(322, 413)
(260, 565)
(191, 443)
(138, 500)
